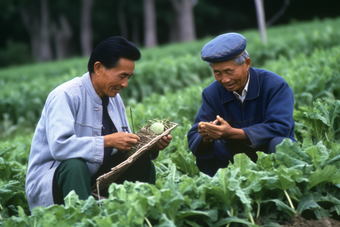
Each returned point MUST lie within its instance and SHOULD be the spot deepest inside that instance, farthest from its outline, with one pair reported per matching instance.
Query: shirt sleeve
(61, 110)
(206, 113)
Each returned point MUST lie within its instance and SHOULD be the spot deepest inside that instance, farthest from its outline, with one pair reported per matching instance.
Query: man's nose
(125, 82)
(225, 79)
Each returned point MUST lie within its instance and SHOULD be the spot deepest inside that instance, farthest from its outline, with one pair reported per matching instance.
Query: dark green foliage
(15, 54)
(301, 177)
(174, 67)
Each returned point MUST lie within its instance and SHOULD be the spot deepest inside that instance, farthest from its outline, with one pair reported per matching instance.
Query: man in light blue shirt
(82, 122)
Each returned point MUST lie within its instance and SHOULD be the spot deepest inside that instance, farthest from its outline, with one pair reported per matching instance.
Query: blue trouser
(224, 152)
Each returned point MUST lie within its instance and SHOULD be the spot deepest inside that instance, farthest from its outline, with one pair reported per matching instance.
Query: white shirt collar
(244, 92)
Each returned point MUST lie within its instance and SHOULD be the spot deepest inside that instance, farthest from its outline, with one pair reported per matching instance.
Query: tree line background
(45, 30)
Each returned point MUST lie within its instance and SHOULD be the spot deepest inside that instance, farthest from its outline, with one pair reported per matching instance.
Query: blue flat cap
(224, 47)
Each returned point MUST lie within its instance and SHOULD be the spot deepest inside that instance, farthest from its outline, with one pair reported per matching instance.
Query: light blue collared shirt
(70, 127)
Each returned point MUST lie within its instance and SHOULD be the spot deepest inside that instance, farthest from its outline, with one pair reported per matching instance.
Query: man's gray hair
(241, 59)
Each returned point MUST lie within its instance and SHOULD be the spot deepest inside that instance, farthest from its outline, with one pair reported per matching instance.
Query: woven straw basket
(107, 179)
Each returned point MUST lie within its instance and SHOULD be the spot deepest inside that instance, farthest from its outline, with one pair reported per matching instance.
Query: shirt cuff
(98, 149)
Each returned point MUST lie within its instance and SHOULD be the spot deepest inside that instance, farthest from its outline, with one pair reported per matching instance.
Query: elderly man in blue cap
(245, 110)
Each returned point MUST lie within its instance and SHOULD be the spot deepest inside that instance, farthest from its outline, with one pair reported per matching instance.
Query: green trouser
(73, 174)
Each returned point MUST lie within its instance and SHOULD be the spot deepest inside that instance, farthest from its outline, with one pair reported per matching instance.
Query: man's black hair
(110, 50)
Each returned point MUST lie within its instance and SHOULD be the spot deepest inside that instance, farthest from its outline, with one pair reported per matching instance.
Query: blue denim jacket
(69, 127)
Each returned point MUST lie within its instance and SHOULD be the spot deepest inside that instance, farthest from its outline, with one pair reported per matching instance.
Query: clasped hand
(210, 131)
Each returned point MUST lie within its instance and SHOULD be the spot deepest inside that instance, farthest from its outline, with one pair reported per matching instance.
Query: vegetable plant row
(311, 77)
(167, 68)
(299, 178)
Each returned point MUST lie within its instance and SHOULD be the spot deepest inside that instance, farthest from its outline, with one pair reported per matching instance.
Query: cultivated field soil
(299, 221)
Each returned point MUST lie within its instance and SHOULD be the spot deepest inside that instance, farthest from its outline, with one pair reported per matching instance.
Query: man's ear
(248, 62)
(97, 67)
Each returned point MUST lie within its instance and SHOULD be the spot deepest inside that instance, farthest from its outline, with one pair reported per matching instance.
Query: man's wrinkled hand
(162, 143)
(203, 132)
(215, 131)
(121, 140)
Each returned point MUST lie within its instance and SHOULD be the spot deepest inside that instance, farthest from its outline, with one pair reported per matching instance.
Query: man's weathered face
(109, 82)
(231, 76)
